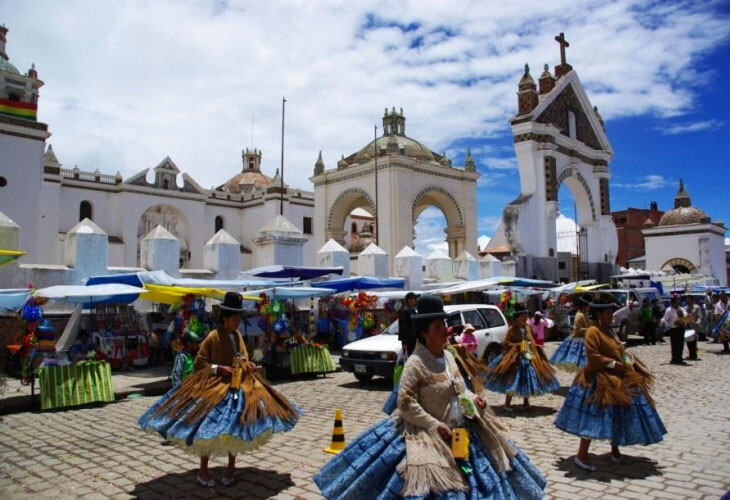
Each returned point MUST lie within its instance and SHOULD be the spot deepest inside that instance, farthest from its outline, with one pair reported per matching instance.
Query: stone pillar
(332, 254)
(87, 250)
(279, 241)
(409, 265)
(439, 266)
(466, 267)
(160, 251)
(222, 254)
(373, 261)
(509, 266)
(9, 233)
(490, 267)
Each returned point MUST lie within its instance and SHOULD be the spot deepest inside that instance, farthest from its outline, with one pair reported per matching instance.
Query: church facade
(685, 241)
(46, 199)
(559, 138)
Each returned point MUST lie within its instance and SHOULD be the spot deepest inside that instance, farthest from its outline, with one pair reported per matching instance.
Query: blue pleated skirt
(623, 426)
(525, 382)
(366, 470)
(392, 402)
(571, 354)
(218, 433)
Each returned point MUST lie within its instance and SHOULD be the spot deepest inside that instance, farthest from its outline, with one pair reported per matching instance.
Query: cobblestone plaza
(100, 452)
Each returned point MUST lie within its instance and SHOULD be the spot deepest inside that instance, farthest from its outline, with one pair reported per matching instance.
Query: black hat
(603, 301)
(232, 302)
(520, 309)
(411, 295)
(429, 307)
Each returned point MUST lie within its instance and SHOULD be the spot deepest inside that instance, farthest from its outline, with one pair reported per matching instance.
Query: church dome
(403, 145)
(6, 66)
(246, 181)
(684, 212)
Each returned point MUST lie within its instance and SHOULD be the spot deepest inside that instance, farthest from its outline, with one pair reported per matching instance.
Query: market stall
(63, 379)
(289, 347)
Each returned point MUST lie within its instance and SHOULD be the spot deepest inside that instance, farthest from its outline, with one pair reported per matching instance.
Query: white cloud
(494, 163)
(647, 183)
(429, 232)
(727, 242)
(489, 223)
(483, 241)
(691, 127)
(130, 82)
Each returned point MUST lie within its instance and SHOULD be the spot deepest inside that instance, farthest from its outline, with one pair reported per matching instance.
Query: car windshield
(392, 329)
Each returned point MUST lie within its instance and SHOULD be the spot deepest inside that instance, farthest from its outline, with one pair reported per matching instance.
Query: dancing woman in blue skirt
(411, 454)
(571, 354)
(609, 398)
(224, 407)
(522, 369)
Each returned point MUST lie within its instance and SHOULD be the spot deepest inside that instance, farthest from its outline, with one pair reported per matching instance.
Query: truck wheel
(363, 377)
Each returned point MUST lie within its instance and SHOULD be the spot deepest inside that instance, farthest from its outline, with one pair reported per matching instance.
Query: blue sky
(128, 83)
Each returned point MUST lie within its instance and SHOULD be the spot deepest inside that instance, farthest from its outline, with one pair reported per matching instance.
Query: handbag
(398, 370)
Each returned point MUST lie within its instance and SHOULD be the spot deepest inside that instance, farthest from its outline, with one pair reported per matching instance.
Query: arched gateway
(411, 178)
(559, 138)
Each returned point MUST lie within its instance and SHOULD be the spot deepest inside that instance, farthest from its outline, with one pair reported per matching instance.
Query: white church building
(686, 241)
(47, 199)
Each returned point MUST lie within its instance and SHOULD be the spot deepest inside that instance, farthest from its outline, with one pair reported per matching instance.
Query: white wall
(21, 163)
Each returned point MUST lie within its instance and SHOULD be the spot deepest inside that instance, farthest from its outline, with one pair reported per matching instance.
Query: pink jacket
(469, 340)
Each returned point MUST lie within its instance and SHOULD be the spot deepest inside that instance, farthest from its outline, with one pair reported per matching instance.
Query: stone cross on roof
(563, 44)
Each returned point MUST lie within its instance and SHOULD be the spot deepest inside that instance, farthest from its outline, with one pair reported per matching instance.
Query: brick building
(629, 224)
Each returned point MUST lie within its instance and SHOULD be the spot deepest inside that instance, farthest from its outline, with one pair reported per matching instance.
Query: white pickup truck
(378, 354)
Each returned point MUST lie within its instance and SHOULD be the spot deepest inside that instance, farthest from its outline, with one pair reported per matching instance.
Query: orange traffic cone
(338, 435)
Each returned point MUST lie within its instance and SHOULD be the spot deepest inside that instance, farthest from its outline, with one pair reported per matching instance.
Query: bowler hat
(601, 301)
(232, 302)
(429, 307)
(520, 309)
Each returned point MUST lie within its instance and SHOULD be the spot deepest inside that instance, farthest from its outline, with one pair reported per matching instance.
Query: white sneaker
(584, 466)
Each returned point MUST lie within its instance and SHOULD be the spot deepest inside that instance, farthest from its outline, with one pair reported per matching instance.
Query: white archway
(171, 219)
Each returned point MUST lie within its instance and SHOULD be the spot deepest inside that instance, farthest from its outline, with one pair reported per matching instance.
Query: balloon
(279, 326)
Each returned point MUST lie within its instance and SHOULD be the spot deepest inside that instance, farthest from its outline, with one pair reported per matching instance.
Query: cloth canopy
(500, 281)
(7, 256)
(292, 272)
(161, 278)
(174, 294)
(96, 294)
(361, 283)
(297, 292)
(13, 299)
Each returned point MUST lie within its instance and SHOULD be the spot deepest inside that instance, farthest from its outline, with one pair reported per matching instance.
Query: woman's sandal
(210, 483)
(227, 482)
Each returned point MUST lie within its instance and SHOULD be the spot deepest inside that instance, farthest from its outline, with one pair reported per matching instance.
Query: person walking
(224, 408)
(694, 312)
(415, 453)
(648, 321)
(405, 326)
(673, 321)
(609, 398)
(522, 369)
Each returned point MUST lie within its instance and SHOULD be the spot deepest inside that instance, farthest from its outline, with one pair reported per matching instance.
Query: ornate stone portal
(411, 178)
(559, 139)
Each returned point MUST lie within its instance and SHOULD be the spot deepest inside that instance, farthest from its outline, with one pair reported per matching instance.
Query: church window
(12, 96)
(3, 182)
(354, 228)
(166, 183)
(307, 225)
(250, 163)
(85, 211)
(571, 125)
(218, 223)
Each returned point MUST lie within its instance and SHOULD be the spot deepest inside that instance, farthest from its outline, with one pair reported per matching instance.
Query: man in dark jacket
(405, 326)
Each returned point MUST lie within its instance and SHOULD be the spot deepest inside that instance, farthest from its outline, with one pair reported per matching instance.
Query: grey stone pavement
(100, 452)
